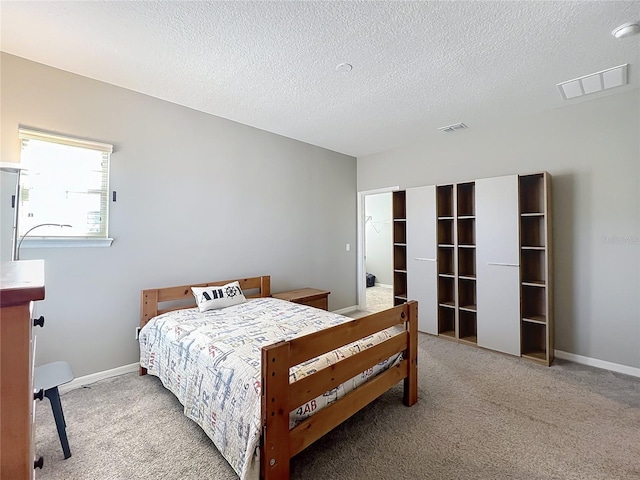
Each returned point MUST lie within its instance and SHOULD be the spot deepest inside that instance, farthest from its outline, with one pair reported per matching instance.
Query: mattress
(211, 362)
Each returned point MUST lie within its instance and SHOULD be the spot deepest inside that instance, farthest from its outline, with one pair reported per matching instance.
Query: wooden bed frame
(279, 397)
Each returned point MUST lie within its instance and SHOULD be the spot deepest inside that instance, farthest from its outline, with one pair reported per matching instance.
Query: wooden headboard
(151, 299)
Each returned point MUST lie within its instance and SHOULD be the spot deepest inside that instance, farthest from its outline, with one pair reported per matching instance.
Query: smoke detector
(626, 30)
(344, 67)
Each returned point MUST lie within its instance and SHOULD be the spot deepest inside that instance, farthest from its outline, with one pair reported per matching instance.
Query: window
(66, 183)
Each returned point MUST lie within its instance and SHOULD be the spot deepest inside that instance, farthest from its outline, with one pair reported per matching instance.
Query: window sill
(62, 242)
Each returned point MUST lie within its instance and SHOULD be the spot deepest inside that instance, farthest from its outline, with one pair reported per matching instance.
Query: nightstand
(306, 296)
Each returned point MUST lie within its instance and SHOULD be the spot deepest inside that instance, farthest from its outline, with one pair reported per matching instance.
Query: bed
(266, 378)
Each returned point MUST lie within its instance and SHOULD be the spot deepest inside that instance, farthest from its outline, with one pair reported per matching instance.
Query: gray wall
(378, 237)
(199, 198)
(592, 150)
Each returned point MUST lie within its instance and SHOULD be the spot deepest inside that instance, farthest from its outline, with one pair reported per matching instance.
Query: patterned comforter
(211, 362)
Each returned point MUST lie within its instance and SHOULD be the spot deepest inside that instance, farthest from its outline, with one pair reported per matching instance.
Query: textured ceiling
(272, 65)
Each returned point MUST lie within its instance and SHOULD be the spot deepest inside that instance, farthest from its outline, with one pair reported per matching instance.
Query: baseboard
(133, 367)
(342, 311)
(594, 362)
(383, 285)
(95, 377)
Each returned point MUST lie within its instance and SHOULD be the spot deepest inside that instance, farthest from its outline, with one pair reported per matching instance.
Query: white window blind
(67, 183)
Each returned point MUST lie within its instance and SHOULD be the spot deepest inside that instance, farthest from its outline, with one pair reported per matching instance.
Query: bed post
(148, 310)
(411, 382)
(274, 451)
(265, 286)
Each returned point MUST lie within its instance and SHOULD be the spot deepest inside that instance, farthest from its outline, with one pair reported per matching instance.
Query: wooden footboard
(279, 397)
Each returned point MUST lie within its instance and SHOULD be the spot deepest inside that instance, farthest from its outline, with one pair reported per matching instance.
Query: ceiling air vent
(453, 128)
(595, 82)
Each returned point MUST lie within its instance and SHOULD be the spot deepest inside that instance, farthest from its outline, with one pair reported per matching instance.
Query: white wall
(199, 198)
(378, 237)
(592, 150)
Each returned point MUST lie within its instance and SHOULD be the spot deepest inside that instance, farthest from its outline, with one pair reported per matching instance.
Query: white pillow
(211, 298)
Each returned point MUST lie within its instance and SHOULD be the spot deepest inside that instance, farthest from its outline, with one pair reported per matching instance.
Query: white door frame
(361, 283)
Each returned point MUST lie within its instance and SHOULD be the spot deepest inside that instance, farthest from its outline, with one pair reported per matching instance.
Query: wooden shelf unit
(536, 294)
(456, 234)
(478, 256)
(399, 247)
(466, 264)
(445, 229)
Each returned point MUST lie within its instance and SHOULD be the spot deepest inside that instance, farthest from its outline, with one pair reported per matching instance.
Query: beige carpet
(379, 298)
(480, 415)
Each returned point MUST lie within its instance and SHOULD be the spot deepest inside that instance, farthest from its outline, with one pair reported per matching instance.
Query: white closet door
(498, 264)
(421, 255)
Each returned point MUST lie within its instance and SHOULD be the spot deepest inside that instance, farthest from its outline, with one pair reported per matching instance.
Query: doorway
(375, 250)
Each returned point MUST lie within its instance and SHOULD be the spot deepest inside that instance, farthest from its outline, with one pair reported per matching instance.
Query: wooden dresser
(306, 296)
(21, 283)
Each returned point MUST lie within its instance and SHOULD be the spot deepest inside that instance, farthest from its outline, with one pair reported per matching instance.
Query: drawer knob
(39, 395)
(38, 322)
(38, 463)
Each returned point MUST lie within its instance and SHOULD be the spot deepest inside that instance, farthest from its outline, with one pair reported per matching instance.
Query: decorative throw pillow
(211, 298)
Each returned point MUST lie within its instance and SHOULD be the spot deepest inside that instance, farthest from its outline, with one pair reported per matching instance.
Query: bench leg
(54, 397)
